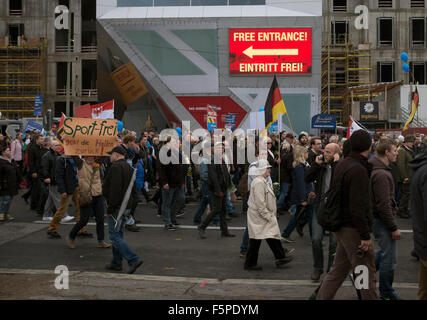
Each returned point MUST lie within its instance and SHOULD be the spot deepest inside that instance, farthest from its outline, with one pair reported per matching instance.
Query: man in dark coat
(114, 188)
(35, 154)
(355, 246)
(419, 217)
(219, 181)
(10, 179)
(322, 172)
(384, 208)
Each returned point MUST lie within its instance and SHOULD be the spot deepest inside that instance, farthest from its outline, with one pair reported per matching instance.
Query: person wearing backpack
(355, 247)
(321, 173)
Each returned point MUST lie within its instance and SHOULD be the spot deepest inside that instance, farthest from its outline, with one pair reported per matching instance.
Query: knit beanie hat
(360, 141)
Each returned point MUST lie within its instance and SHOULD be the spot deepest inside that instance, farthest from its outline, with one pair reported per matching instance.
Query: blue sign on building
(324, 121)
(38, 103)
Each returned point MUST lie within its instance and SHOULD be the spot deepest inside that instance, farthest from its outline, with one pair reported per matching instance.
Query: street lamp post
(68, 67)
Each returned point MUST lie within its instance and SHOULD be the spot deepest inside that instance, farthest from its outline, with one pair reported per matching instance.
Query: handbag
(85, 198)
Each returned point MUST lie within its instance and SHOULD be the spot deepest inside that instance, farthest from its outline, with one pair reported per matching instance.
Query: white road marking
(149, 225)
(273, 282)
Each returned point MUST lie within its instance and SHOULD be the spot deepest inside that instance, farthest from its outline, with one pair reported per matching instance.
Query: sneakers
(315, 275)
(70, 243)
(132, 228)
(47, 218)
(66, 219)
(53, 235)
(253, 268)
(176, 223)
(134, 267)
(180, 214)
(243, 254)
(280, 263)
(392, 296)
(103, 244)
(170, 228)
(202, 233)
(287, 240)
(8, 217)
(113, 268)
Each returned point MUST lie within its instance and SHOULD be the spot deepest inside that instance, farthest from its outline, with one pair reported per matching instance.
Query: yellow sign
(129, 83)
(89, 137)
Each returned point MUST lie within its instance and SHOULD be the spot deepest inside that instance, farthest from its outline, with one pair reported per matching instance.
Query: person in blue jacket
(139, 184)
(302, 193)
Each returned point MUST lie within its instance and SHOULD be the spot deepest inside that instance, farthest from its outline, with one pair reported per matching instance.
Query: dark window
(340, 6)
(88, 10)
(419, 72)
(385, 71)
(339, 32)
(15, 30)
(385, 3)
(417, 3)
(89, 74)
(15, 7)
(418, 32)
(385, 32)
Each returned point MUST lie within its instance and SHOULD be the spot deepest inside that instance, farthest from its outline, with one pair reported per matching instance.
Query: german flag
(415, 102)
(274, 104)
(60, 130)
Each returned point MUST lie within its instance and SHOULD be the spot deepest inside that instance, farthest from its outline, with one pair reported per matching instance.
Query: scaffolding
(343, 66)
(22, 77)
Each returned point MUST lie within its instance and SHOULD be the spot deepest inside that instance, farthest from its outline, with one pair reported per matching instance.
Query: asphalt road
(25, 247)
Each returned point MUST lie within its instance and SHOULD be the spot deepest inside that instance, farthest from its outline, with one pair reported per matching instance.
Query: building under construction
(22, 76)
(364, 65)
(33, 56)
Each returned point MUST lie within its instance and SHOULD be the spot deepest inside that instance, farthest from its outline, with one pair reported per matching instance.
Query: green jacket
(405, 155)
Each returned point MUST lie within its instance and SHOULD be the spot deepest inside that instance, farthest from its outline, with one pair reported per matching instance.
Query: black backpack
(329, 213)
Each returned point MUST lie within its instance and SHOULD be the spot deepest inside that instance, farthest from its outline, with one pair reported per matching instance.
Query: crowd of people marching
(381, 179)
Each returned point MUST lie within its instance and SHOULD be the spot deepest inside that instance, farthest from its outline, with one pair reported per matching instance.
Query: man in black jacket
(114, 189)
(10, 178)
(48, 177)
(355, 248)
(419, 217)
(34, 160)
(321, 172)
(219, 181)
(172, 182)
(68, 182)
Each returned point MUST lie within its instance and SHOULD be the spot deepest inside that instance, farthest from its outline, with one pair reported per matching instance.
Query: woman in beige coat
(262, 219)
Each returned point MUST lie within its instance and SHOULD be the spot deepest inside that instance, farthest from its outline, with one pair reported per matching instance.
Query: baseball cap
(118, 150)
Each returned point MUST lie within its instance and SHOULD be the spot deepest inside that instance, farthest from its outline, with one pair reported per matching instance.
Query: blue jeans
(385, 259)
(207, 199)
(172, 200)
(297, 216)
(245, 241)
(317, 245)
(120, 247)
(284, 187)
(5, 202)
(228, 204)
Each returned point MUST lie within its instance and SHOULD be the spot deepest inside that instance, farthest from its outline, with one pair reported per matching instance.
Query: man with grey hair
(321, 173)
(333, 139)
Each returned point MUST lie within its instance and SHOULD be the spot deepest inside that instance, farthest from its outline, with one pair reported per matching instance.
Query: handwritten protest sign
(89, 137)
